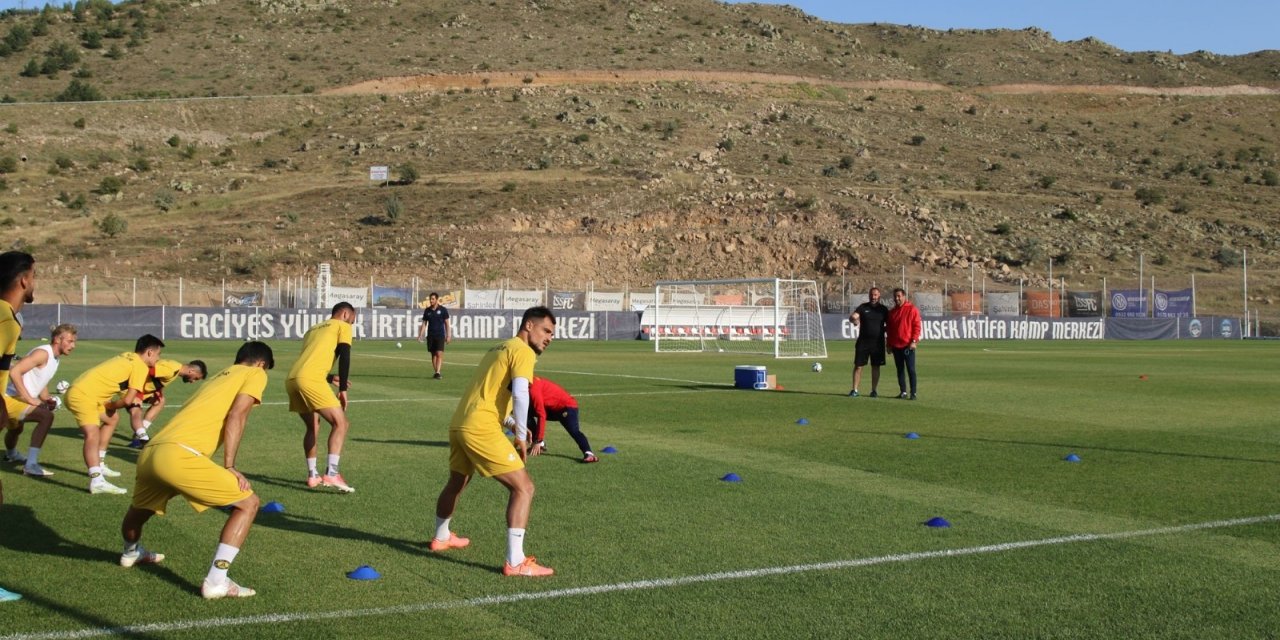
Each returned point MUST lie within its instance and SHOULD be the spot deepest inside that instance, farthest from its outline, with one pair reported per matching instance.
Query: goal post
(764, 316)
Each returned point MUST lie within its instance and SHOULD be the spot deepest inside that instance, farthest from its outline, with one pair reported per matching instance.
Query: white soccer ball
(62, 386)
(817, 367)
(57, 403)
(398, 345)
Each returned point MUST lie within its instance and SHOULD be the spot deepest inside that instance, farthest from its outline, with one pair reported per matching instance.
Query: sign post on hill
(379, 173)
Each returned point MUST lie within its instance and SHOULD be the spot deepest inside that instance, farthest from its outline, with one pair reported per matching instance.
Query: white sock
(515, 547)
(102, 457)
(33, 456)
(95, 474)
(442, 528)
(130, 547)
(140, 432)
(13, 453)
(146, 424)
(222, 559)
(333, 464)
(311, 467)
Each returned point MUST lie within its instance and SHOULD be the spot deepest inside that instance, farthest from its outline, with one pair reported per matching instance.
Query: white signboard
(378, 174)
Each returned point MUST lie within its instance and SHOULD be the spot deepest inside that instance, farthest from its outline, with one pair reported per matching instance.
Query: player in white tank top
(33, 403)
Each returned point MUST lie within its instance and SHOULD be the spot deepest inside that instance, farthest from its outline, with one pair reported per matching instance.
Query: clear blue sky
(1182, 26)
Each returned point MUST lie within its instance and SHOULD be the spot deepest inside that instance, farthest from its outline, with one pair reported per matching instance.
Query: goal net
(767, 316)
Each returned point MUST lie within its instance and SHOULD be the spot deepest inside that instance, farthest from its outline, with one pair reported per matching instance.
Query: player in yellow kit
(179, 461)
(95, 397)
(159, 377)
(17, 287)
(311, 398)
(477, 444)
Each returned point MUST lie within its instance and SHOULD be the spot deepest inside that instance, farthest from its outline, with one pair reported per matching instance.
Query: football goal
(767, 316)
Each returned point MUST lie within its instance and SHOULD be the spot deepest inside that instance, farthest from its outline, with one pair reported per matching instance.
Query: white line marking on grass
(637, 585)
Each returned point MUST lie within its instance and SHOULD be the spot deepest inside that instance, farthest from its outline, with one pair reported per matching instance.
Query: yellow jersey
(125, 371)
(165, 372)
(199, 424)
(489, 394)
(10, 331)
(318, 347)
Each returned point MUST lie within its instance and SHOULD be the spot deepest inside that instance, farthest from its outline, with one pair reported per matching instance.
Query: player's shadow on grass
(70, 479)
(328, 530)
(22, 531)
(419, 443)
(1081, 447)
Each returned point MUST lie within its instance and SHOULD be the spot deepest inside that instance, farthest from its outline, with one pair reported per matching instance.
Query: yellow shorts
(487, 452)
(167, 469)
(87, 410)
(307, 396)
(17, 410)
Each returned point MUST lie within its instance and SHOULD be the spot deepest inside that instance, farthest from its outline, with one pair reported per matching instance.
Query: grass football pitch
(1168, 526)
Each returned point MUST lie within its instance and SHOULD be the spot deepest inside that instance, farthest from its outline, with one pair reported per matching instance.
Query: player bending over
(160, 376)
(98, 394)
(179, 460)
(28, 400)
(547, 398)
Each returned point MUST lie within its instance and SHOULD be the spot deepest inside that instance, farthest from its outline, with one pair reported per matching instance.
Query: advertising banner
(203, 323)
(392, 297)
(1173, 304)
(243, 299)
(968, 303)
(930, 304)
(1043, 304)
(568, 300)
(604, 301)
(521, 300)
(449, 298)
(838, 327)
(357, 296)
(1128, 303)
(642, 299)
(728, 299)
(482, 299)
(1004, 304)
(1084, 304)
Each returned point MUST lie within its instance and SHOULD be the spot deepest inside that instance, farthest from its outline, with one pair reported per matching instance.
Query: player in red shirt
(547, 398)
(904, 336)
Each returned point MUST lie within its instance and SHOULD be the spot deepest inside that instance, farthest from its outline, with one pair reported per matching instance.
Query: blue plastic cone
(937, 521)
(364, 572)
(912, 436)
(802, 421)
(1071, 457)
(609, 449)
(273, 507)
(731, 477)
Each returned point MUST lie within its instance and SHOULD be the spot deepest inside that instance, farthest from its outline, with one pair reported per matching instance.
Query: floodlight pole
(1244, 266)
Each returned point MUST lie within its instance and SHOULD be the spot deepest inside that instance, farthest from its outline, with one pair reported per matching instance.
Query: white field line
(621, 587)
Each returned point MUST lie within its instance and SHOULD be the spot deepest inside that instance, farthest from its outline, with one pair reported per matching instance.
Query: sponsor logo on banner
(253, 299)
(965, 304)
(513, 299)
(930, 304)
(1128, 303)
(1044, 304)
(1226, 328)
(567, 300)
(392, 297)
(598, 301)
(1083, 304)
(1003, 304)
(1194, 328)
(639, 301)
(357, 296)
(1173, 304)
(482, 299)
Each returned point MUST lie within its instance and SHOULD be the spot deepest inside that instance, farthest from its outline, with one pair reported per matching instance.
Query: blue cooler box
(750, 377)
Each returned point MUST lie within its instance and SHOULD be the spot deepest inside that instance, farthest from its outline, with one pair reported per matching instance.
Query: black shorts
(870, 351)
(435, 344)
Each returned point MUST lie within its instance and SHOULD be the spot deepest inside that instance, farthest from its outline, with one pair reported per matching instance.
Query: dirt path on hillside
(509, 79)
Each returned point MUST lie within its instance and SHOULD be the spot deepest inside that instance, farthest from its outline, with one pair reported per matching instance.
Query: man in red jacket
(904, 336)
(547, 398)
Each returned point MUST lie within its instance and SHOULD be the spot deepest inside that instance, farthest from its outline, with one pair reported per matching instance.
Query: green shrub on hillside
(79, 92)
(112, 225)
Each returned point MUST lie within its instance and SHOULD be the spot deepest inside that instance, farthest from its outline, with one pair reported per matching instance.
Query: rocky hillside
(623, 142)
